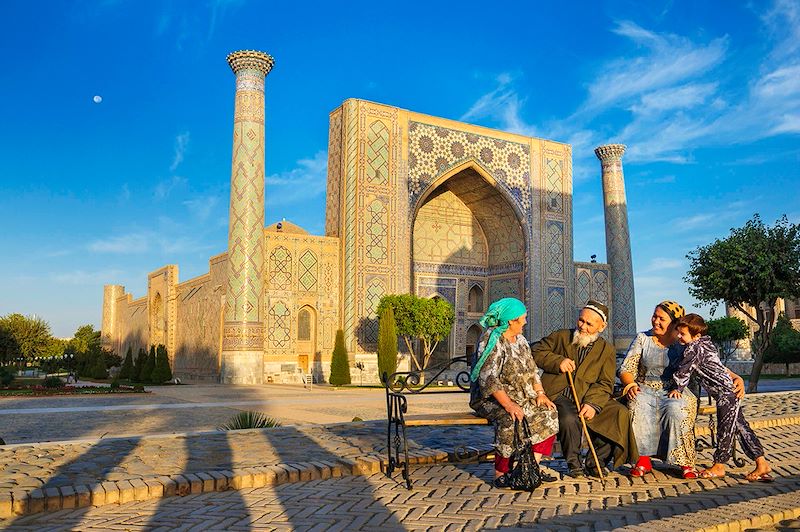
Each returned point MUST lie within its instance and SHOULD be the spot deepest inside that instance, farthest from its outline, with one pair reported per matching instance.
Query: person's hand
(515, 411)
(674, 394)
(587, 412)
(738, 386)
(633, 391)
(543, 400)
(567, 365)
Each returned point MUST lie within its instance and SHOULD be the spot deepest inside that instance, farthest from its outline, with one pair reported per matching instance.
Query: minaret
(243, 331)
(618, 246)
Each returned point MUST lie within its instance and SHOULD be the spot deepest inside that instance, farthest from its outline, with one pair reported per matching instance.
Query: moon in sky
(97, 99)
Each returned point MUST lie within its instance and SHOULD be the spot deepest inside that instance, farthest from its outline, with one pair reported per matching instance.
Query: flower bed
(40, 391)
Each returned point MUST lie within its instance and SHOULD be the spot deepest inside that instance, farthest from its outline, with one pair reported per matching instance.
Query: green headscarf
(498, 315)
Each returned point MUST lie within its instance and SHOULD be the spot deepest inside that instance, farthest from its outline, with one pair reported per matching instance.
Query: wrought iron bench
(402, 383)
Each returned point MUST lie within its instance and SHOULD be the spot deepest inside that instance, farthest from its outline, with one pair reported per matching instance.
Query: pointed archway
(468, 239)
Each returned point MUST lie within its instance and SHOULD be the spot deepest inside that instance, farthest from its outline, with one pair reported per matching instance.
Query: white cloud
(693, 222)
(201, 207)
(122, 244)
(165, 188)
(181, 144)
(307, 180)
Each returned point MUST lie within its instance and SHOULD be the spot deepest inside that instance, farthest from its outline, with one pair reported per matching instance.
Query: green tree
(138, 367)
(425, 321)
(162, 372)
(387, 343)
(340, 364)
(25, 336)
(750, 270)
(726, 332)
(85, 338)
(785, 345)
(149, 366)
(126, 371)
(98, 368)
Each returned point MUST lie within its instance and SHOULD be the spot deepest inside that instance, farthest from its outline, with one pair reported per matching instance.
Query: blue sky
(705, 94)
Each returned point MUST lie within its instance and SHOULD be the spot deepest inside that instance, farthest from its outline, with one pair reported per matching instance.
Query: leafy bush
(98, 369)
(387, 343)
(115, 384)
(250, 420)
(141, 360)
(6, 376)
(340, 365)
(162, 372)
(138, 388)
(785, 345)
(149, 366)
(126, 370)
(52, 382)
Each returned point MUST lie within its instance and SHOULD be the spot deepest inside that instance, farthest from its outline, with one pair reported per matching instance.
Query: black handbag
(525, 474)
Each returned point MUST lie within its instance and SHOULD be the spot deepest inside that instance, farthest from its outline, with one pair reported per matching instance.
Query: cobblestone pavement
(51, 476)
(458, 497)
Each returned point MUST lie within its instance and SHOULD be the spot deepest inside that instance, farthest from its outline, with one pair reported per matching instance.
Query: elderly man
(592, 362)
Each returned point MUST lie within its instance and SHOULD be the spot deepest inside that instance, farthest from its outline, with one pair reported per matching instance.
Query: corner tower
(618, 245)
(243, 332)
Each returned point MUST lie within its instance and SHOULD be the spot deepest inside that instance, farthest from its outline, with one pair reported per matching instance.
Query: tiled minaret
(618, 245)
(243, 331)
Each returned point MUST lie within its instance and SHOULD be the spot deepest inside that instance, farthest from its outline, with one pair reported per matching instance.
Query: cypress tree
(98, 368)
(387, 343)
(141, 359)
(149, 366)
(340, 365)
(126, 371)
(162, 372)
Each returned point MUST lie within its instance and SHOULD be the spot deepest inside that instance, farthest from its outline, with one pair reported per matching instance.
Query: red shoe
(642, 467)
(689, 473)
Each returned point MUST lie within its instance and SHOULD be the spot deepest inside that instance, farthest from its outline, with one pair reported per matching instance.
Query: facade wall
(198, 326)
(132, 328)
(593, 281)
(301, 277)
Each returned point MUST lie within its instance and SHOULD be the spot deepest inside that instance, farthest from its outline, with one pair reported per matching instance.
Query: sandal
(707, 473)
(766, 477)
(689, 473)
(639, 471)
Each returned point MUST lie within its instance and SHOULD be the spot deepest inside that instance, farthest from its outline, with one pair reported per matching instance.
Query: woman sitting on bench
(506, 386)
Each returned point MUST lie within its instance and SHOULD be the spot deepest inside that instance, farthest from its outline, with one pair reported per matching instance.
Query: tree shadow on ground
(338, 503)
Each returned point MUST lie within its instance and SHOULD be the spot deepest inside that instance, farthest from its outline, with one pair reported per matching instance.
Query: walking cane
(586, 430)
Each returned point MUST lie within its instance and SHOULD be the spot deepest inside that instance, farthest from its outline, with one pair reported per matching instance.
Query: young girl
(701, 356)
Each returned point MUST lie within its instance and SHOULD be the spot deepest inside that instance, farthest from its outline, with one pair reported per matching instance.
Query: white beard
(580, 339)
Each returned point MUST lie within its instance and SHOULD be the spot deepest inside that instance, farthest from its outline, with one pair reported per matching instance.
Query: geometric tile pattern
(554, 247)
(592, 282)
(280, 269)
(279, 324)
(378, 153)
(500, 288)
(376, 230)
(553, 174)
(375, 291)
(436, 149)
(555, 311)
(307, 275)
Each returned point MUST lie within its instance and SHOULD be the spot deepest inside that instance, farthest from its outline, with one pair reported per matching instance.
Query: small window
(475, 299)
(304, 325)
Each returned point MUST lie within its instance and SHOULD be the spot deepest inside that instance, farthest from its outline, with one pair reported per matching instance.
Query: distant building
(415, 203)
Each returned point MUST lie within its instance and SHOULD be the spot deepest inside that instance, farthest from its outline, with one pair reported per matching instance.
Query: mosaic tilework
(377, 230)
(592, 282)
(279, 325)
(307, 274)
(280, 269)
(618, 247)
(333, 199)
(554, 246)
(375, 291)
(500, 288)
(435, 149)
(377, 153)
(555, 309)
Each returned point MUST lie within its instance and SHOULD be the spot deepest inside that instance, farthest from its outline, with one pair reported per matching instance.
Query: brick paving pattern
(318, 477)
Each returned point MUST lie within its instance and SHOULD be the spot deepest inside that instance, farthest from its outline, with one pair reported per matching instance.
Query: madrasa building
(415, 204)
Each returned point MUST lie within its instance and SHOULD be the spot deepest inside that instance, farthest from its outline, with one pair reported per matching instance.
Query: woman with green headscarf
(506, 386)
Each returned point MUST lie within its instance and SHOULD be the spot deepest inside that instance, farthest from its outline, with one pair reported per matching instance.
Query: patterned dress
(701, 357)
(510, 367)
(663, 427)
